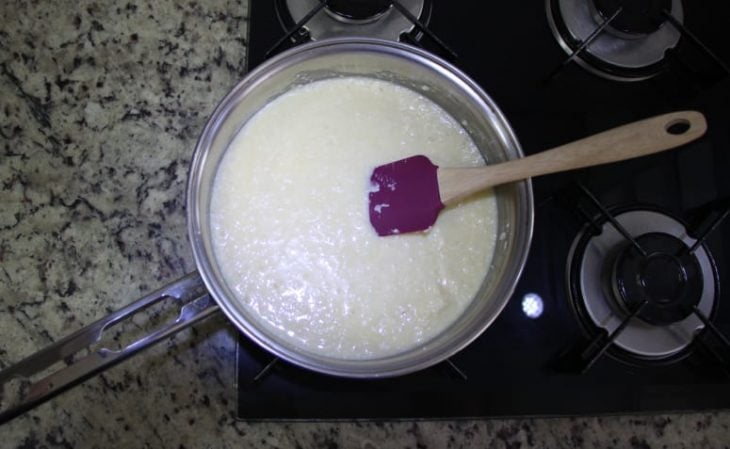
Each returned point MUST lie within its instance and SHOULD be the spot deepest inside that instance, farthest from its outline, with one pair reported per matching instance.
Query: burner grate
(696, 41)
(622, 40)
(592, 40)
(641, 324)
(447, 368)
(374, 18)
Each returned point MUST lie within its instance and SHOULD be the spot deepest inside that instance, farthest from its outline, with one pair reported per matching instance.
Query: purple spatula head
(404, 196)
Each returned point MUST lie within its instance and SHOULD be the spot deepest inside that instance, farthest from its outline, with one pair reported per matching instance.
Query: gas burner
(359, 11)
(661, 271)
(373, 18)
(631, 47)
(650, 292)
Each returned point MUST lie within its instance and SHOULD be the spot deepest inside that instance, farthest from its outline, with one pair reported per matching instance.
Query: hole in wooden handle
(678, 126)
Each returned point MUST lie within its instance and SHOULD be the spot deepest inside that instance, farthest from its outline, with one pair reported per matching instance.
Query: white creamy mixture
(291, 231)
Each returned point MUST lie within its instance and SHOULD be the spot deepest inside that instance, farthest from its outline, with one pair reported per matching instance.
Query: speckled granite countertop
(100, 106)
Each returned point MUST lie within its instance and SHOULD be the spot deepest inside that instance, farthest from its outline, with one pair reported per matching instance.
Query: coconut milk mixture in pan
(291, 231)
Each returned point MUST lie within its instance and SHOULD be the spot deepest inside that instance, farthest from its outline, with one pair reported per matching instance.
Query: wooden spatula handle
(635, 139)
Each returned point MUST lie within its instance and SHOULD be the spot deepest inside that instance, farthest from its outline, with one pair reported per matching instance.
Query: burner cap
(637, 16)
(359, 10)
(668, 277)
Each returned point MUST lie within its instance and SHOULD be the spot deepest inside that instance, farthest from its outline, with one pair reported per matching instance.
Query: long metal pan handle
(188, 292)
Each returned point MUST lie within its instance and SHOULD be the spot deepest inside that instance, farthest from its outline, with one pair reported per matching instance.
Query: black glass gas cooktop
(552, 351)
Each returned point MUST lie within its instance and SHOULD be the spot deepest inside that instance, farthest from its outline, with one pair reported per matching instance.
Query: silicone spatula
(407, 195)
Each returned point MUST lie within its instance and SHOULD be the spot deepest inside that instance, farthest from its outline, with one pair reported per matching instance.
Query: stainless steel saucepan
(204, 292)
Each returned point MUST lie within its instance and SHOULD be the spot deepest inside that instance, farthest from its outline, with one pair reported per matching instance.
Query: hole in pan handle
(678, 126)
